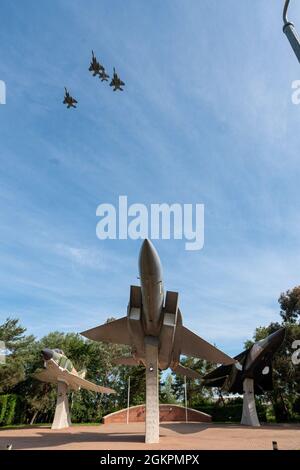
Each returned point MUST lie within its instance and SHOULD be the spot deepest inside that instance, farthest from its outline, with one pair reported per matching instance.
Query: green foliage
(167, 394)
(290, 305)
(9, 409)
(39, 399)
(26, 400)
(3, 405)
(231, 411)
(19, 347)
(195, 392)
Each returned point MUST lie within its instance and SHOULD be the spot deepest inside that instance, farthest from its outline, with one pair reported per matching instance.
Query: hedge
(230, 412)
(10, 408)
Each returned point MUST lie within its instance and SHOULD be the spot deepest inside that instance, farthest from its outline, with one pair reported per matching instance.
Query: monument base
(152, 396)
(62, 414)
(249, 416)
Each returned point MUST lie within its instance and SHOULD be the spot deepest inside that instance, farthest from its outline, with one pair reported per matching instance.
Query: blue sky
(206, 117)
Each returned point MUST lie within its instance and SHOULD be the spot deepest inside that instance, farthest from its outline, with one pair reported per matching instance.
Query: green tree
(196, 394)
(19, 349)
(290, 305)
(167, 394)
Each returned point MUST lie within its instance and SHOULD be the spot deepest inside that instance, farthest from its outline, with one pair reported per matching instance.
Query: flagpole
(128, 400)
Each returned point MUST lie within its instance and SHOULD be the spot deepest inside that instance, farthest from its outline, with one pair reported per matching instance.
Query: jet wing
(227, 377)
(53, 373)
(187, 372)
(44, 375)
(112, 332)
(76, 381)
(193, 345)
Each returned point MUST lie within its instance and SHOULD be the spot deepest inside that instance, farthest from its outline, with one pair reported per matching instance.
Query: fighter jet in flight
(116, 82)
(153, 316)
(69, 100)
(58, 368)
(95, 66)
(253, 363)
(103, 76)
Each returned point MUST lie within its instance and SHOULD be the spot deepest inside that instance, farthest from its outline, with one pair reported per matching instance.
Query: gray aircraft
(154, 315)
(69, 100)
(103, 76)
(95, 66)
(253, 363)
(116, 82)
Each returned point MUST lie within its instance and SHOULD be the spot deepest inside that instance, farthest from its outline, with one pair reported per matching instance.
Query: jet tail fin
(186, 371)
(193, 345)
(82, 373)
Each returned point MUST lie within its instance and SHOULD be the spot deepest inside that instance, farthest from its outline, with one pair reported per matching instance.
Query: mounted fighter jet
(116, 82)
(95, 66)
(103, 76)
(154, 317)
(59, 368)
(251, 375)
(69, 100)
(253, 363)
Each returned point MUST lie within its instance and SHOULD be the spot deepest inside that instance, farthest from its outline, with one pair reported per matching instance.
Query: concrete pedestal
(249, 417)
(62, 414)
(152, 393)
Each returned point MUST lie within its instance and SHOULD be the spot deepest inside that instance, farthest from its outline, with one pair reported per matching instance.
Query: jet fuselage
(153, 316)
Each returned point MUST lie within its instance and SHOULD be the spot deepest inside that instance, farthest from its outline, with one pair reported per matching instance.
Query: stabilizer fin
(186, 371)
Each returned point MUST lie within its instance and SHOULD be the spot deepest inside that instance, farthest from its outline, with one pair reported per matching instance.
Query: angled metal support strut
(290, 31)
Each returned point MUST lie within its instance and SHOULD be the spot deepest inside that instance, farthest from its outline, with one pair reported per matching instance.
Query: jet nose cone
(275, 339)
(149, 262)
(47, 354)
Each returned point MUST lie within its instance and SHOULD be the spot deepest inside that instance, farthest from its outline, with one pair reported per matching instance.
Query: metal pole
(128, 400)
(185, 399)
(290, 31)
(285, 9)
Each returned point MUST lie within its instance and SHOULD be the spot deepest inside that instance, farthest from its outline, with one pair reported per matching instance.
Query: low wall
(166, 413)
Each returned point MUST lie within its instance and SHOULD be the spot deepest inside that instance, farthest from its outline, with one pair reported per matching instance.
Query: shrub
(10, 408)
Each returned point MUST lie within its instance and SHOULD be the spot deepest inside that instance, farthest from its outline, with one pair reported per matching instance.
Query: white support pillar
(152, 393)
(249, 417)
(62, 414)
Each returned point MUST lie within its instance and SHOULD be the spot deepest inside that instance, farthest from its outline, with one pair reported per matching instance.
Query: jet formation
(97, 70)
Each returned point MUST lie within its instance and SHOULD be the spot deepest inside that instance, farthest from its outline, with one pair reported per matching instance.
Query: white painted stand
(152, 394)
(249, 417)
(62, 414)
